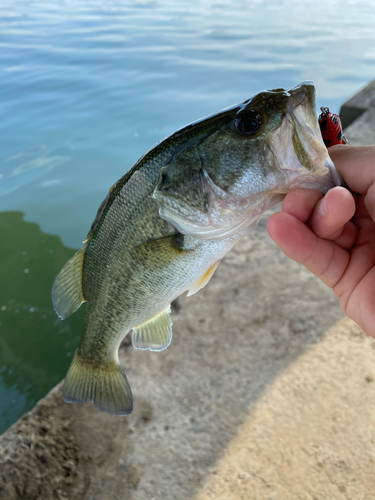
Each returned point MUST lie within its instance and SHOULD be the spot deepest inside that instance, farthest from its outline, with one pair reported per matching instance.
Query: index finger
(356, 164)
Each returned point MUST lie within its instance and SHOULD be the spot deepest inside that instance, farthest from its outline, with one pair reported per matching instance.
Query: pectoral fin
(162, 251)
(67, 293)
(202, 282)
(155, 334)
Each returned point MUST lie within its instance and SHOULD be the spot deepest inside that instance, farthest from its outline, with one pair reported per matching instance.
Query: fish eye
(249, 123)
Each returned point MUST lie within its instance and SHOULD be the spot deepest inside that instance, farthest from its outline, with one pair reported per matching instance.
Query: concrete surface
(266, 392)
(362, 130)
(358, 104)
(312, 434)
(231, 341)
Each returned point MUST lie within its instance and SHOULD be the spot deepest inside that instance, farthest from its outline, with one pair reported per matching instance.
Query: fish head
(233, 166)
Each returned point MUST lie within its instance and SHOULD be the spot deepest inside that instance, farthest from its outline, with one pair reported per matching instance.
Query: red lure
(331, 128)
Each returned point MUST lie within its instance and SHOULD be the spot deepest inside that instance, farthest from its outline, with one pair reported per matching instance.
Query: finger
(364, 223)
(356, 164)
(360, 305)
(301, 202)
(353, 287)
(323, 258)
(348, 236)
(369, 200)
(331, 213)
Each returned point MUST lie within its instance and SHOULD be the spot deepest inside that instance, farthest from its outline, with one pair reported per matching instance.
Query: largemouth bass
(165, 225)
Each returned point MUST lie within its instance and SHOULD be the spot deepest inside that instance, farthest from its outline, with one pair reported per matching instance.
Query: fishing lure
(331, 128)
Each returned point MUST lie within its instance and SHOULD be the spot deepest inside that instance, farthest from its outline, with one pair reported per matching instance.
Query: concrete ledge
(360, 102)
(362, 130)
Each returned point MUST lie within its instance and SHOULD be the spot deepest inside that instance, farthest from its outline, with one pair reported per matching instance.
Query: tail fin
(104, 383)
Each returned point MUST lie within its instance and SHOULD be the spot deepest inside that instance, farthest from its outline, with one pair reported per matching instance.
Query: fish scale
(165, 225)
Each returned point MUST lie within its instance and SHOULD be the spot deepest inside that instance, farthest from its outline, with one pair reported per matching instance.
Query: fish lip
(301, 115)
(304, 83)
(299, 97)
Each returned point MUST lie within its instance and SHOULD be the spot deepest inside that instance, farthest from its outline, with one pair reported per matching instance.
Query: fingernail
(322, 207)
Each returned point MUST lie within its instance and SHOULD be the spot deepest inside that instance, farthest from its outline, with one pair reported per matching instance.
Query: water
(35, 347)
(86, 87)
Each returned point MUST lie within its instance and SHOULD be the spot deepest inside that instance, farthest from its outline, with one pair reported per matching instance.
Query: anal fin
(155, 334)
(202, 282)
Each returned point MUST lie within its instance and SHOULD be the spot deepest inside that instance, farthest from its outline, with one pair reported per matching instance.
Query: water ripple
(106, 70)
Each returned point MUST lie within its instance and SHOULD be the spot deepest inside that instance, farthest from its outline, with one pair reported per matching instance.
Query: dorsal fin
(67, 292)
(101, 209)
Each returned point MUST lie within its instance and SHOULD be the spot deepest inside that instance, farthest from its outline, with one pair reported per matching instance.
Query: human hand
(333, 236)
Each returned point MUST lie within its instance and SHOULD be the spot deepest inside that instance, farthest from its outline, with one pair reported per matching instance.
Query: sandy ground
(266, 393)
(312, 434)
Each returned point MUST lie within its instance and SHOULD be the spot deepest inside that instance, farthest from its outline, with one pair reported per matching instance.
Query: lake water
(86, 87)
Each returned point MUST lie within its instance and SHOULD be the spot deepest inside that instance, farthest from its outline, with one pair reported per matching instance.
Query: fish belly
(137, 291)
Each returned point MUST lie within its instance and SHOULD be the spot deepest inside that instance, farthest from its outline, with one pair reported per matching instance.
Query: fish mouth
(307, 140)
(303, 156)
